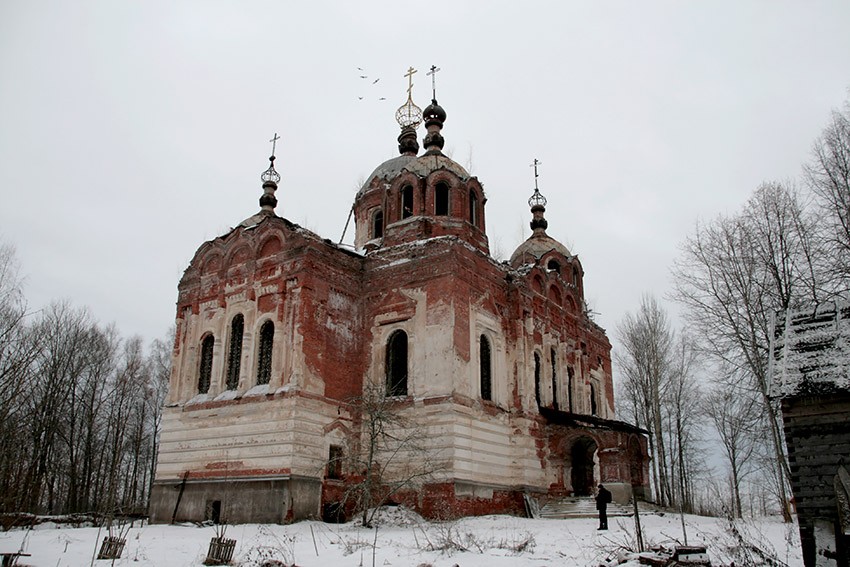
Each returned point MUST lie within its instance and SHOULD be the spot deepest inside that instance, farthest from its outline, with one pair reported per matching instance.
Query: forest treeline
(787, 247)
(80, 406)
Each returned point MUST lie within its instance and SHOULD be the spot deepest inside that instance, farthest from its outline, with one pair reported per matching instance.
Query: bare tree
(392, 454)
(735, 416)
(733, 273)
(646, 340)
(828, 176)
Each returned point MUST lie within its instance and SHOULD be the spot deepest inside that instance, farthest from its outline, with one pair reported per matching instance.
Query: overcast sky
(131, 132)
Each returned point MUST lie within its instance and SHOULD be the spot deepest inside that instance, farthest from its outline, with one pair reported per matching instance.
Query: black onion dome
(434, 113)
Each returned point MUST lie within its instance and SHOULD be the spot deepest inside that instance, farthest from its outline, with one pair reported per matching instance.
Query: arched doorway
(582, 469)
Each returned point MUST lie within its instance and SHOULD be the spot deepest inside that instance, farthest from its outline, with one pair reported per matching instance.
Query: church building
(279, 331)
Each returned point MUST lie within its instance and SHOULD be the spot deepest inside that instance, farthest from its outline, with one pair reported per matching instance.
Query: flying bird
(360, 68)
(383, 98)
(376, 80)
(363, 76)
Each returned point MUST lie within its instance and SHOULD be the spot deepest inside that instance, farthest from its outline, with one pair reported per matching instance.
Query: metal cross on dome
(536, 199)
(433, 74)
(409, 76)
(274, 142)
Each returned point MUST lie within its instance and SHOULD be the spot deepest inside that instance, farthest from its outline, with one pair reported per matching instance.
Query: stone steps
(580, 507)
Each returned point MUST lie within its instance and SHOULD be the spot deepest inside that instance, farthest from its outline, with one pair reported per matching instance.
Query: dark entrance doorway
(581, 460)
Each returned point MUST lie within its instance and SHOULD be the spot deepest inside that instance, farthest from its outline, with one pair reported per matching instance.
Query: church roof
(421, 166)
(537, 245)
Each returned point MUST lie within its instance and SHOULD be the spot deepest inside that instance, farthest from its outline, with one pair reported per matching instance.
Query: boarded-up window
(205, 368)
(264, 353)
(485, 369)
(396, 364)
(234, 358)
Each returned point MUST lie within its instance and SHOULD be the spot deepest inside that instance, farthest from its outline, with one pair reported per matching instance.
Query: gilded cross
(433, 74)
(409, 76)
(274, 142)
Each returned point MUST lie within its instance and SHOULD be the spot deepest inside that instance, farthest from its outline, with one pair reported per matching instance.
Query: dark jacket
(603, 498)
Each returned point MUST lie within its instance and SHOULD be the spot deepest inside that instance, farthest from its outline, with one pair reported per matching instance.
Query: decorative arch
(234, 355)
(571, 304)
(272, 245)
(555, 295)
(485, 368)
(205, 365)
(212, 263)
(239, 255)
(264, 352)
(537, 284)
(396, 364)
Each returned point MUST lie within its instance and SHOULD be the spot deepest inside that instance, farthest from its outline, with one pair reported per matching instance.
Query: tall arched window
(537, 379)
(593, 408)
(378, 225)
(234, 357)
(485, 369)
(205, 368)
(473, 208)
(264, 353)
(407, 202)
(441, 199)
(570, 376)
(554, 379)
(396, 364)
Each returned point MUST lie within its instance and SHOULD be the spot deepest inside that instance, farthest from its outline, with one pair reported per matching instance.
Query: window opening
(264, 354)
(205, 369)
(570, 375)
(575, 275)
(378, 225)
(396, 364)
(537, 378)
(441, 199)
(214, 512)
(592, 400)
(237, 326)
(335, 456)
(485, 369)
(407, 202)
(554, 266)
(554, 380)
(473, 208)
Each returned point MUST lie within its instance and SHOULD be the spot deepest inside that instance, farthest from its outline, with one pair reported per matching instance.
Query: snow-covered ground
(404, 539)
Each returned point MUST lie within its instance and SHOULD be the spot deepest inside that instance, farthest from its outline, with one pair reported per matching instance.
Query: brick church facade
(278, 329)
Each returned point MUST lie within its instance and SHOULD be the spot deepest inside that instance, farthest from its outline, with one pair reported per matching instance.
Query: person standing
(603, 498)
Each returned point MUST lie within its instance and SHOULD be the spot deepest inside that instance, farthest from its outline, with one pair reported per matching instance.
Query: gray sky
(131, 132)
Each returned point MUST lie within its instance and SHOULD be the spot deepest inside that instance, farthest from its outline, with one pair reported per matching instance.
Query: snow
(404, 539)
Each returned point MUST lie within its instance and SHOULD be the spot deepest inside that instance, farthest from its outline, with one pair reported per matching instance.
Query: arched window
(407, 202)
(554, 379)
(396, 364)
(264, 353)
(378, 225)
(537, 379)
(205, 368)
(441, 199)
(575, 275)
(593, 408)
(570, 376)
(473, 208)
(553, 266)
(234, 357)
(485, 369)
